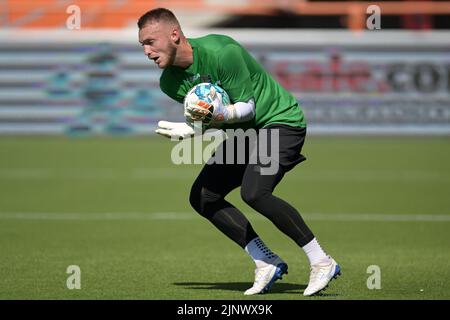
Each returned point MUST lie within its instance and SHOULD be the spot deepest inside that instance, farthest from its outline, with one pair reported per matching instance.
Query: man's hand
(199, 111)
(176, 130)
(209, 113)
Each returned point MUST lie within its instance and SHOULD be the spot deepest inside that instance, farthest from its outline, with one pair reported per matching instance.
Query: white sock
(315, 253)
(261, 255)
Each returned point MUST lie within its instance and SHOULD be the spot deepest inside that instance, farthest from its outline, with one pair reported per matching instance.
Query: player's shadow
(323, 294)
(241, 286)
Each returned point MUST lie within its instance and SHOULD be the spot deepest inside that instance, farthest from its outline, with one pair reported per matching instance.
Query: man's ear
(175, 35)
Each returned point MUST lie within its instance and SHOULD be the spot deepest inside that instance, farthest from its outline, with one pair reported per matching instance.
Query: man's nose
(147, 50)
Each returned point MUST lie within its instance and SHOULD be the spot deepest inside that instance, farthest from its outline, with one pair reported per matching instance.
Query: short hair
(157, 15)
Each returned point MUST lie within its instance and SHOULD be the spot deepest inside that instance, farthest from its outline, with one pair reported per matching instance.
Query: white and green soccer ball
(209, 93)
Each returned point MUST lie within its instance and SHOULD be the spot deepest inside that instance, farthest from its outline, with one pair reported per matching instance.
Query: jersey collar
(192, 69)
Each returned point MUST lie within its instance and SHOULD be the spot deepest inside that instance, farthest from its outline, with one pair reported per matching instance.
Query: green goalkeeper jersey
(221, 60)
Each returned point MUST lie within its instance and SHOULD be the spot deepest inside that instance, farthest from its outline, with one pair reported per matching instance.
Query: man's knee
(194, 198)
(252, 196)
(201, 199)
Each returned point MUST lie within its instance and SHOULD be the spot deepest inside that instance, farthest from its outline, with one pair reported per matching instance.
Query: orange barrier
(119, 14)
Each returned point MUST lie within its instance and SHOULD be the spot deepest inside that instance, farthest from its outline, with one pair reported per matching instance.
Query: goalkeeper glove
(174, 130)
(210, 113)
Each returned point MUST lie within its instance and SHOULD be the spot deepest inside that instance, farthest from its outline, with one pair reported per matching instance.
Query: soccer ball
(209, 93)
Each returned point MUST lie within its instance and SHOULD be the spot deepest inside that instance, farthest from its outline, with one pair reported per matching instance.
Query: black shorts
(289, 147)
(291, 144)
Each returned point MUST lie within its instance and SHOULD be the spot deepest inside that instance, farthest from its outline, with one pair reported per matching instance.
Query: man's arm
(220, 113)
(236, 80)
(240, 112)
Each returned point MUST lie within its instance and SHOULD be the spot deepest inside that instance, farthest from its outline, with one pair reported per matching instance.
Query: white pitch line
(378, 217)
(184, 172)
(361, 217)
(97, 216)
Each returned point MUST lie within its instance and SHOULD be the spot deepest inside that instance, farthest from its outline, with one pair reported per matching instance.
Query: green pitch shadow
(241, 286)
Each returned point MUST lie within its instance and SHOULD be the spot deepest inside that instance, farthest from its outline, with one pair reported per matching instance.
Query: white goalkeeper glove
(174, 130)
(218, 113)
(209, 113)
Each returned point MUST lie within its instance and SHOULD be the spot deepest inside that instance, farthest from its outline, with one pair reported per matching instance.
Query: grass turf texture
(179, 255)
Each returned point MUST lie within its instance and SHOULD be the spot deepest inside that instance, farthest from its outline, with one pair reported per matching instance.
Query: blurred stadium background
(84, 181)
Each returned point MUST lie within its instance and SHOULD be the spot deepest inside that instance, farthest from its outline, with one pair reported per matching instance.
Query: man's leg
(214, 182)
(258, 184)
(257, 190)
(207, 195)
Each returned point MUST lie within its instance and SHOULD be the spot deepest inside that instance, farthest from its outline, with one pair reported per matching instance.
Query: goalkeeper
(258, 101)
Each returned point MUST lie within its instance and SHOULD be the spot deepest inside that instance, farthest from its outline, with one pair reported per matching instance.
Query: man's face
(159, 42)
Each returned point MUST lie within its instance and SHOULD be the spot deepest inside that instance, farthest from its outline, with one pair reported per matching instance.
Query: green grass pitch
(118, 208)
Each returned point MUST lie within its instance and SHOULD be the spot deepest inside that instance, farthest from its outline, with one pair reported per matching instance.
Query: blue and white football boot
(266, 276)
(320, 277)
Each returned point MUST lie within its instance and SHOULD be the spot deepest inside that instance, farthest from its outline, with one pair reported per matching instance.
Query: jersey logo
(200, 78)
